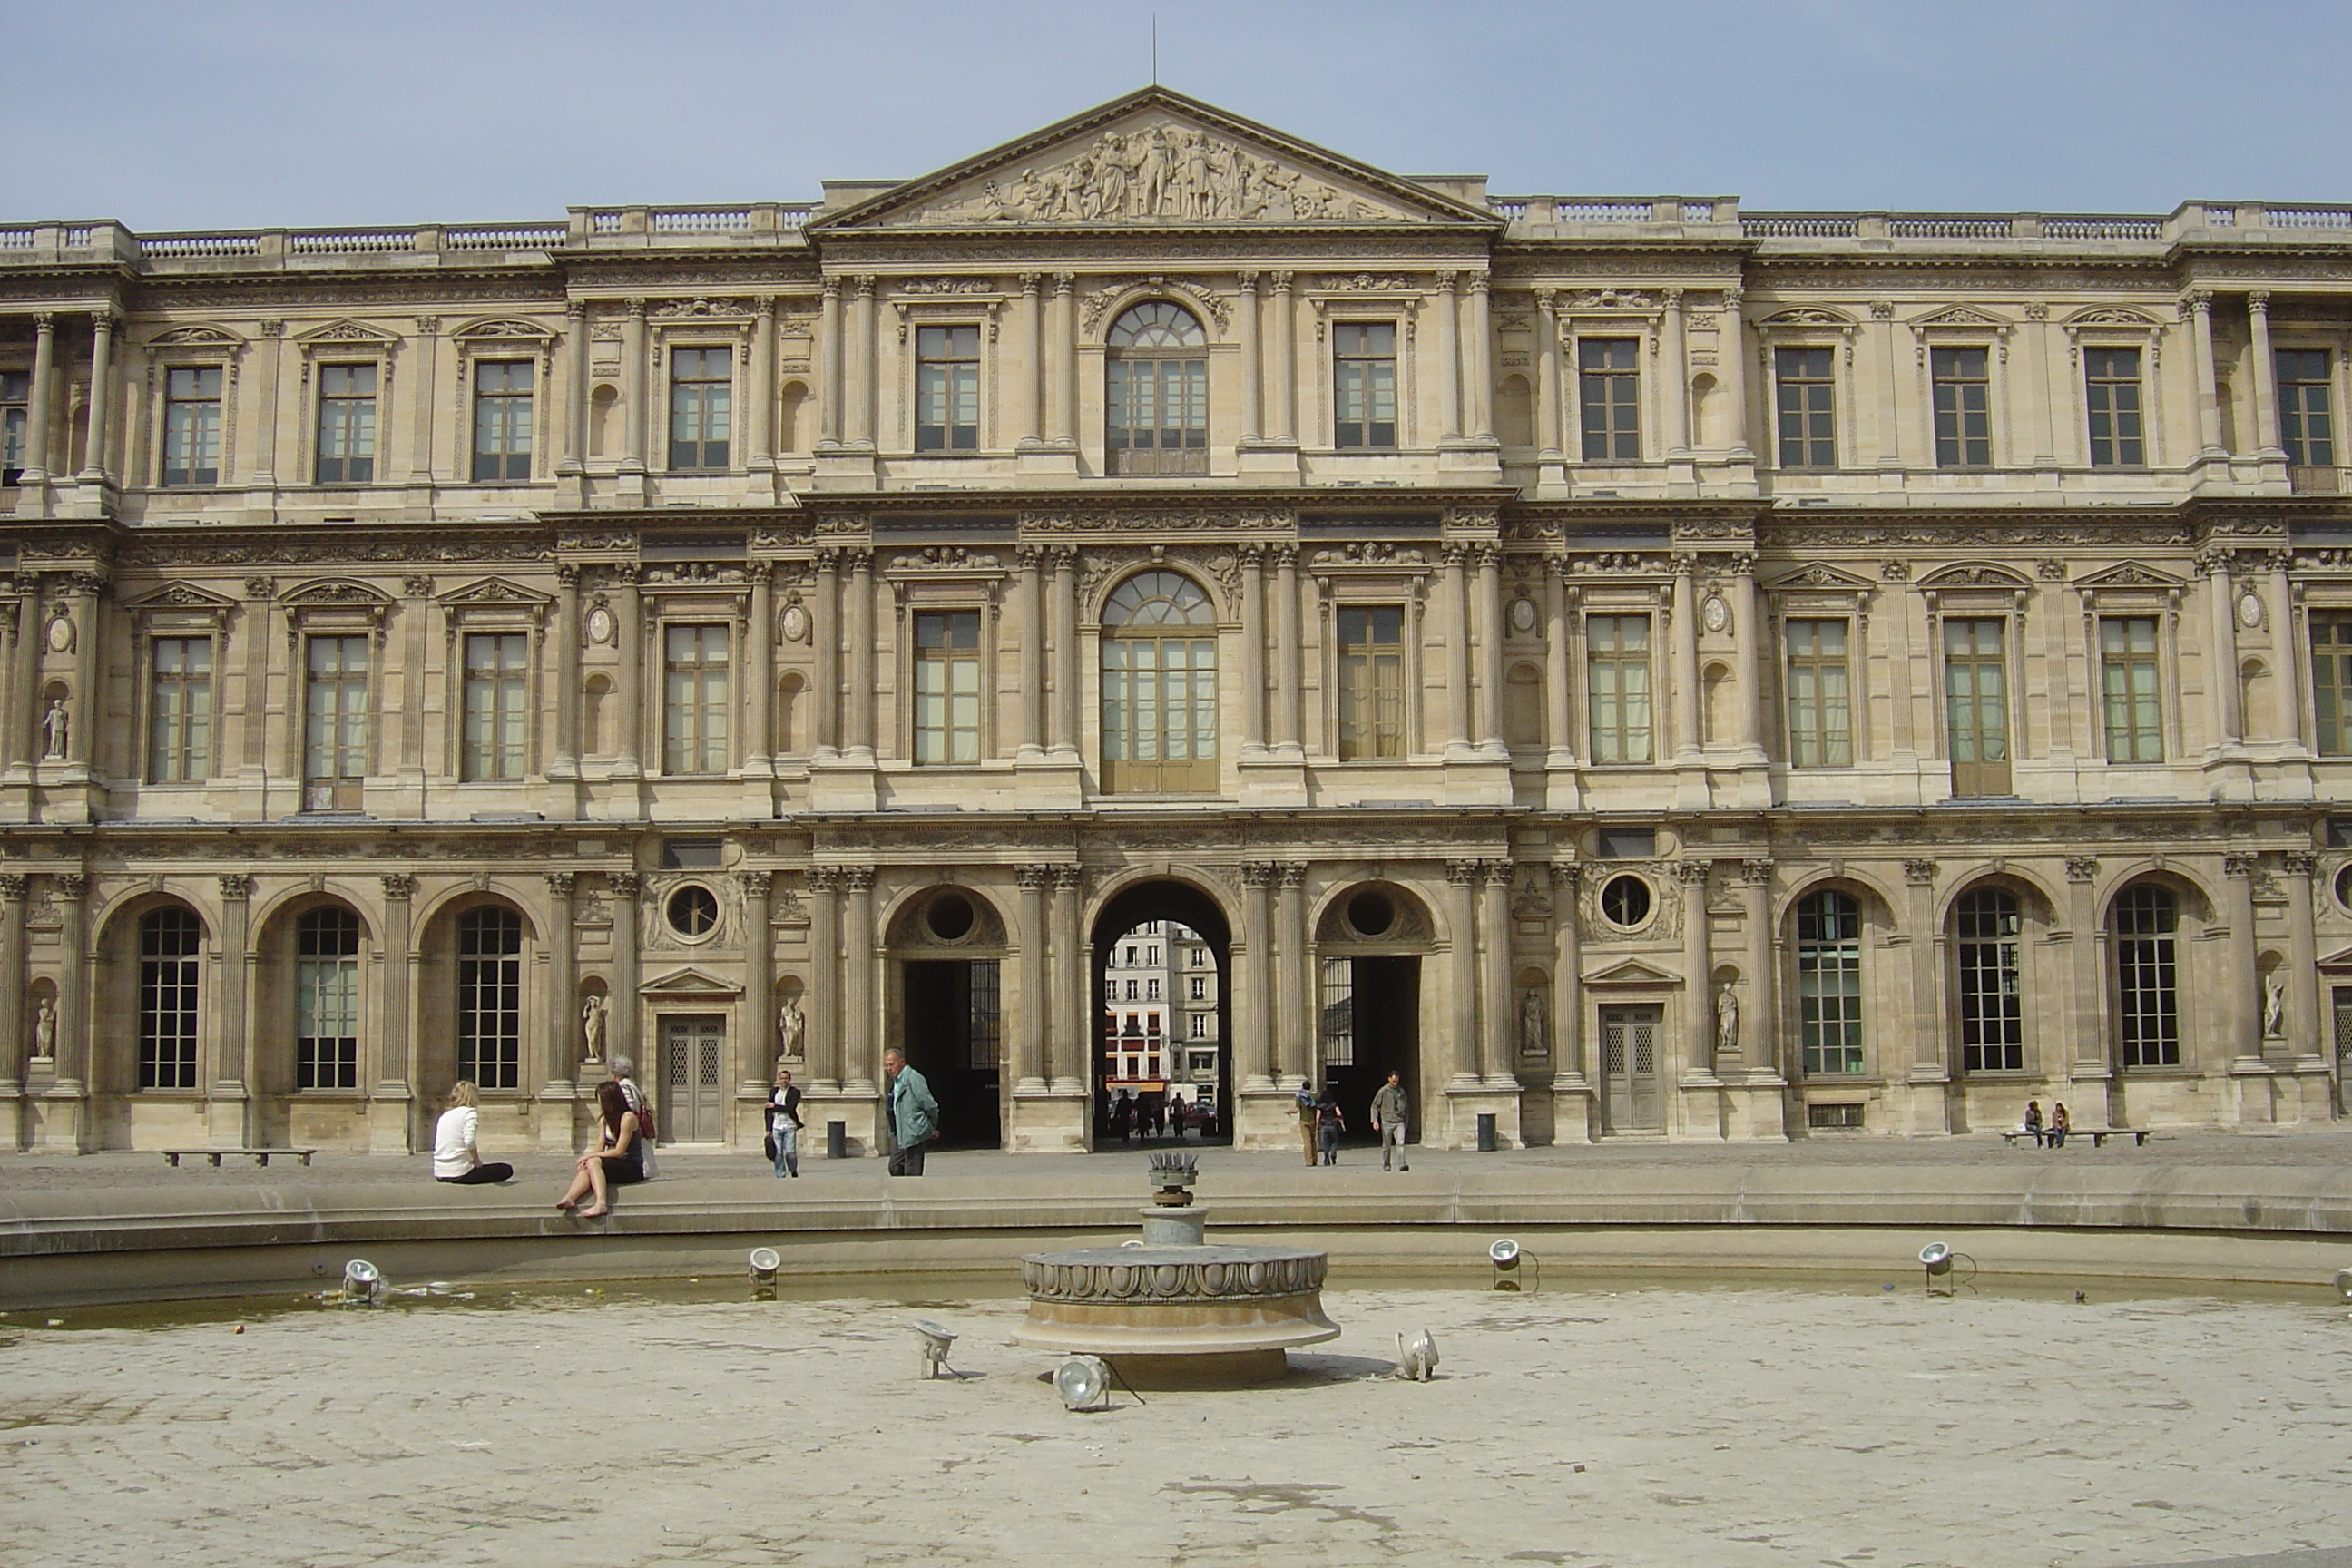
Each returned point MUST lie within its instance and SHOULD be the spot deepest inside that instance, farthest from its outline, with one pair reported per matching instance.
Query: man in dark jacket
(784, 1124)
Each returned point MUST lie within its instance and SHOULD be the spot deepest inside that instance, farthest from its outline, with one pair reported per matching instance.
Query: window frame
(729, 384)
(918, 662)
(2009, 1015)
(1342, 359)
(2331, 358)
(2143, 437)
(2335, 616)
(1194, 773)
(1852, 1018)
(1940, 624)
(323, 399)
(1123, 456)
(15, 425)
(346, 969)
(1346, 699)
(2163, 987)
(221, 402)
(195, 758)
(1613, 436)
(469, 758)
(1829, 380)
(1791, 663)
(1591, 663)
(506, 399)
(952, 431)
(2152, 664)
(701, 741)
(504, 1072)
(185, 991)
(338, 791)
(1962, 463)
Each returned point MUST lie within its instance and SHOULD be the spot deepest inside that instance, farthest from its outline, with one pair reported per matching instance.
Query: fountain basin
(1177, 1316)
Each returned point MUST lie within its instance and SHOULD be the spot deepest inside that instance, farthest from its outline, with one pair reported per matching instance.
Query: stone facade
(1712, 675)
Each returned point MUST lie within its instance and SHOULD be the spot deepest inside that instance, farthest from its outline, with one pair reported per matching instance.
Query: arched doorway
(949, 943)
(1181, 921)
(1368, 946)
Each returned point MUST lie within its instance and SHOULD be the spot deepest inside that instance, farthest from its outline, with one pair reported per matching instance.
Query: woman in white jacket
(455, 1158)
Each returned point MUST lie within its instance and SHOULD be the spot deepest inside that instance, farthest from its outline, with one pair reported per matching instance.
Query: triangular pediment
(495, 591)
(1631, 971)
(2131, 575)
(346, 331)
(1820, 575)
(183, 596)
(689, 981)
(1159, 158)
(1957, 316)
(2340, 959)
(1975, 575)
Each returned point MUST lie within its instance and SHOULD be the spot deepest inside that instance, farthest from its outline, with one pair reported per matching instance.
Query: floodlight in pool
(1083, 1382)
(2344, 1283)
(765, 1261)
(1506, 1256)
(938, 1340)
(362, 1281)
(1935, 1257)
(1505, 1253)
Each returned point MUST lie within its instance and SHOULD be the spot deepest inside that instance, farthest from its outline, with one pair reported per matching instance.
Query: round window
(1625, 901)
(949, 917)
(2344, 887)
(693, 911)
(1371, 913)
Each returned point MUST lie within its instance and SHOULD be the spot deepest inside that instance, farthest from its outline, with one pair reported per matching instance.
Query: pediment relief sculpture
(183, 596)
(503, 328)
(1959, 316)
(2131, 575)
(1974, 576)
(330, 593)
(1819, 577)
(2109, 316)
(494, 591)
(347, 331)
(1807, 316)
(212, 336)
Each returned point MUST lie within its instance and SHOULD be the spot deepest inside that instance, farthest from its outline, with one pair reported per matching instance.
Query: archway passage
(954, 1038)
(1193, 944)
(1372, 1010)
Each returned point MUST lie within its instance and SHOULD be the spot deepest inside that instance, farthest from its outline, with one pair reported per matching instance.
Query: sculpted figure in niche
(45, 1031)
(2274, 1005)
(1532, 1040)
(792, 1029)
(592, 1026)
(55, 729)
(1727, 1019)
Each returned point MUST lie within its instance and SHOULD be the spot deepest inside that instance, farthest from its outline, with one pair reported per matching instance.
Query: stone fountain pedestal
(1177, 1310)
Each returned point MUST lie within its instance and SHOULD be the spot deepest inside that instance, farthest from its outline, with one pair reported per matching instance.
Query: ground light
(1417, 1357)
(1937, 1259)
(764, 1262)
(1083, 1382)
(362, 1283)
(1506, 1256)
(2344, 1283)
(938, 1339)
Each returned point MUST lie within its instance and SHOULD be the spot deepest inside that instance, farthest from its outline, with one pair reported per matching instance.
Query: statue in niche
(792, 1029)
(55, 731)
(1533, 1036)
(45, 1031)
(2274, 1005)
(1727, 1020)
(593, 1016)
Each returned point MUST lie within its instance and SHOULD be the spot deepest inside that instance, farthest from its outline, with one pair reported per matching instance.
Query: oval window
(1371, 913)
(949, 917)
(1625, 901)
(693, 911)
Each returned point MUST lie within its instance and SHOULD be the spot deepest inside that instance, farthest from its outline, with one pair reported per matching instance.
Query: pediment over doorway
(1631, 971)
(689, 981)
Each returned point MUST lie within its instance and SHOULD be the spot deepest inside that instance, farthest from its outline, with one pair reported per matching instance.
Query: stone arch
(790, 692)
(604, 420)
(115, 997)
(1185, 895)
(1879, 902)
(435, 1013)
(923, 918)
(2041, 903)
(2197, 902)
(793, 413)
(275, 1064)
(1414, 925)
(1208, 585)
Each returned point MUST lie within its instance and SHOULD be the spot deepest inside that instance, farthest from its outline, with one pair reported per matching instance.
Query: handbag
(769, 1143)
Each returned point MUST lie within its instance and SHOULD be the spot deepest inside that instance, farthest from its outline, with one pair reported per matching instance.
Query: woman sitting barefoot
(617, 1160)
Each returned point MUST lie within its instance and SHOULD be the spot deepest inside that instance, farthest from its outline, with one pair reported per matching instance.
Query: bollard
(1485, 1132)
(837, 1140)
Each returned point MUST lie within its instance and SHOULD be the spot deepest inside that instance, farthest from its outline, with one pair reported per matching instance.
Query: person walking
(2060, 1125)
(914, 1114)
(1389, 1108)
(1122, 1116)
(1329, 1123)
(456, 1159)
(1306, 1121)
(784, 1125)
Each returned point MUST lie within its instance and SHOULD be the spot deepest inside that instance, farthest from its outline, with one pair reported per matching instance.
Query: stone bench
(213, 1156)
(2098, 1135)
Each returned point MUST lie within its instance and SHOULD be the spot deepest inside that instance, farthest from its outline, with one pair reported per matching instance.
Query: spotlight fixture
(1937, 1257)
(1083, 1382)
(2344, 1283)
(362, 1283)
(938, 1339)
(1506, 1256)
(765, 1261)
(1417, 1357)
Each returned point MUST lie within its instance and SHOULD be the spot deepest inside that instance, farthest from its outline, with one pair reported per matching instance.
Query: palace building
(1634, 667)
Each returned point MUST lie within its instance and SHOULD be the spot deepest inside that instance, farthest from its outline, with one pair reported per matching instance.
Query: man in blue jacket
(914, 1114)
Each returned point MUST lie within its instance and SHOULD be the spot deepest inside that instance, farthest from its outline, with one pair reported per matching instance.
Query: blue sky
(234, 113)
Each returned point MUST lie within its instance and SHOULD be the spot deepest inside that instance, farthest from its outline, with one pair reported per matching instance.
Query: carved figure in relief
(57, 730)
(792, 1029)
(2274, 1005)
(45, 1031)
(1156, 171)
(1727, 1019)
(592, 1026)
(1534, 1038)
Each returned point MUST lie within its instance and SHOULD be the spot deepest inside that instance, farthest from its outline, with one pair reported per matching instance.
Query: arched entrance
(948, 943)
(1368, 946)
(1121, 1058)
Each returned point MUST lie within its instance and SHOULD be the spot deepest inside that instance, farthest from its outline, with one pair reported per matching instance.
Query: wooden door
(691, 1109)
(1632, 1099)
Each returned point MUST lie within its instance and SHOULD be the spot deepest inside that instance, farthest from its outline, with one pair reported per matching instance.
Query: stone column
(1069, 1062)
(1282, 340)
(2266, 415)
(2307, 1026)
(861, 365)
(1449, 357)
(1032, 404)
(1298, 1045)
(1698, 977)
(632, 390)
(1479, 413)
(1068, 679)
(565, 657)
(1254, 1057)
(23, 733)
(824, 979)
(73, 982)
(633, 640)
(2200, 367)
(1462, 971)
(565, 1040)
(860, 725)
(861, 1053)
(1673, 379)
(1733, 363)
(88, 703)
(1252, 369)
(825, 636)
(2087, 940)
(1285, 650)
(1253, 619)
(396, 1072)
(1927, 1036)
(1031, 560)
(421, 403)
(829, 332)
(1685, 695)
(759, 392)
(101, 397)
(1457, 650)
(1490, 650)
(265, 439)
(621, 1021)
(1497, 1016)
(1560, 738)
(2221, 659)
(1568, 979)
(756, 1056)
(230, 1122)
(13, 1047)
(575, 388)
(2240, 1002)
(1064, 370)
(1547, 377)
(1760, 1041)
(757, 762)
(1027, 1058)
(2294, 670)
(1754, 651)
(43, 397)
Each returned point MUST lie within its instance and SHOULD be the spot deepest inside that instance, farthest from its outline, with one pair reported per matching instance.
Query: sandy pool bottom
(1641, 1426)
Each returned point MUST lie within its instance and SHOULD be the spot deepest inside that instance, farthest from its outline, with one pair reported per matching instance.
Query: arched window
(1829, 982)
(1993, 1016)
(1159, 686)
(489, 997)
(1156, 392)
(167, 998)
(2147, 995)
(327, 999)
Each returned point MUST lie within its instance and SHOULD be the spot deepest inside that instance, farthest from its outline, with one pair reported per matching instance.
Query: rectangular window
(1363, 372)
(179, 709)
(2128, 674)
(327, 1003)
(192, 426)
(1200, 988)
(701, 401)
(335, 723)
(1371, 683)
(2306, 413)
(2111, 390)
(1152, 989)
(1821, 713)
(947, 389)
(1993, 1012)
(502, 421)
(15, 419)
(1963, 404)
(695, 739)
(168, 969)
(2331, 681)
(1199, 1025)
(986, 1014)
(1828, 983)
(495, 715)
(1976, 706)
(1808, 392)
(1611, 390)
(1338, 1012)
(346, 424)
(1617, 675)
(947, 687)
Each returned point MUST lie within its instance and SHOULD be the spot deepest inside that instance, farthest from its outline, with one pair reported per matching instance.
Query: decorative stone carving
(1226, 1279)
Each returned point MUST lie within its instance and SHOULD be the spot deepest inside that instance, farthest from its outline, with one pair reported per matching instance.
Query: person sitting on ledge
(455, 1158)
(617, 1160)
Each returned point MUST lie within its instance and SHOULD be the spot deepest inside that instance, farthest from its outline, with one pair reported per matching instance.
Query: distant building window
(1829, 982)
(947, 687)
(694, 740)
(701, 402)
(327, 1000)
(947, 389)
(15, 419)
(1611, 389)
(1363, 372)
(2127, 673)
(2111, 390)
(1617, 674)
(192, 426)
(1372, 682)
(1199, 1025)
(1200, 988)
(168, 970)
(496, 713)
(502, 421)
(1808, 394)
(346, 425)
(179, 709)
(1963, 400)
(1821, 713)
(2307, 410)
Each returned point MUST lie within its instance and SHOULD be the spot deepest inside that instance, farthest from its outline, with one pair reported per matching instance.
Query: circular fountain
(1177, 1311)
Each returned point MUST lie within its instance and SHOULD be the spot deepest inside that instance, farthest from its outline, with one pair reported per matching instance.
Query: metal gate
(690, 1109)
(1629, 1069)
